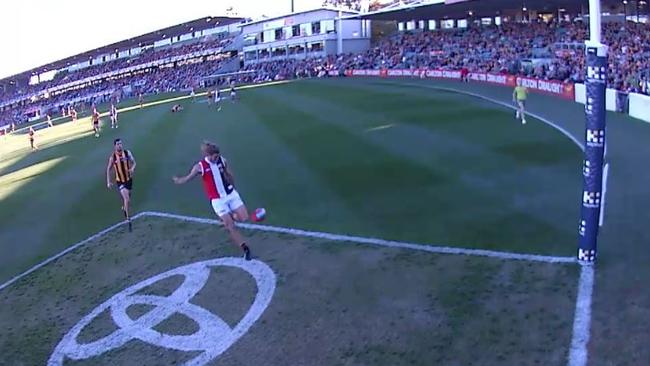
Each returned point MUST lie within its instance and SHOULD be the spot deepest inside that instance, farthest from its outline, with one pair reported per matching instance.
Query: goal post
(595, 138)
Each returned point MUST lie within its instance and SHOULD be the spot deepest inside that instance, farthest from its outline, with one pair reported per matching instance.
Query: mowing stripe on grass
(578, 355)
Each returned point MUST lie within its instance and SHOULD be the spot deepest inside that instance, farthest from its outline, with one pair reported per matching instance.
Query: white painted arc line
(380, 242)
(578, 354)
(535, 115)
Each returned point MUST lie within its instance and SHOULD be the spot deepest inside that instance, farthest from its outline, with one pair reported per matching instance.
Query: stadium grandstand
(123, 69)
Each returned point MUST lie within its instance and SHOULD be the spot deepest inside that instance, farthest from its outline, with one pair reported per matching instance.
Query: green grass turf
(354, 156)
(449, 171)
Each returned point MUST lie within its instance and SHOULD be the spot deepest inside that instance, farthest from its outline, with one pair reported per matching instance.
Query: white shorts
(226, 205)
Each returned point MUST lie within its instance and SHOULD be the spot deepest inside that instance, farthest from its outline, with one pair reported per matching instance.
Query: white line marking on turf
(378, 128)
(578, 355)
(66, 251)
(380, 242)
(603, 201)
(582, 319)
(535, 115)
(313, 234)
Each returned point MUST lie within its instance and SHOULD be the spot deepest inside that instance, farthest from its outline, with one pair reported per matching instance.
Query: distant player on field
(49, 120)
(217, 98)
(141, 100)
(95, 118)
(177, 108)
(113, 116)
(123, 163)
(218, 183)
(31, 138)
(519, 96)
(233, 92)
(193, 95)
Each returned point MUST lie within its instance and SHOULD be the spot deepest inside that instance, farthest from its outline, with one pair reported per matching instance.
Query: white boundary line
(379, 242)
(312, 234)
(578, 355)
(504, 104)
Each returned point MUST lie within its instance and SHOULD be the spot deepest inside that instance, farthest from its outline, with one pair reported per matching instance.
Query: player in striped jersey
(95, 118)
(31, 138)
(219, 186)
(123, 163)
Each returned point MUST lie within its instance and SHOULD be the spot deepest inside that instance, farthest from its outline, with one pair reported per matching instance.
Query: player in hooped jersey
(123, 163)
(218, 183)
(95, 119)
(31, 138)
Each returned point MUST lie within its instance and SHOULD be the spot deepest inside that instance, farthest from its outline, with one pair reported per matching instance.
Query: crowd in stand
(549, 51)
(541, 50)
(144, 57)
(155, 81)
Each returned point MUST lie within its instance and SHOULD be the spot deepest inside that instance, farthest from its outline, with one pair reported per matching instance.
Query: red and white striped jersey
(215, 182)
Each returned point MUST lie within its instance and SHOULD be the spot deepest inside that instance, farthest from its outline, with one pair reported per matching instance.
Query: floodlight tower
(595, 169)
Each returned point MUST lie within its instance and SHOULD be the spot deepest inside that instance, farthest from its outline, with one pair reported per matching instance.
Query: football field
(406, 225)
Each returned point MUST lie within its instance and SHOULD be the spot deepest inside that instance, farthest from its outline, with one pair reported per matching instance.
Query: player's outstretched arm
(196, 170)
(108, 171)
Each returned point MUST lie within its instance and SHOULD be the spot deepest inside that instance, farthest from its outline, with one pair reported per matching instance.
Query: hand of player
(177, 180)
(109, 185)
(131, 171)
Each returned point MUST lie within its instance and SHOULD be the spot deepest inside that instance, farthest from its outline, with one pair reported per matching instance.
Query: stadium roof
(145, 39)
(262, 20)
(438, 9)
